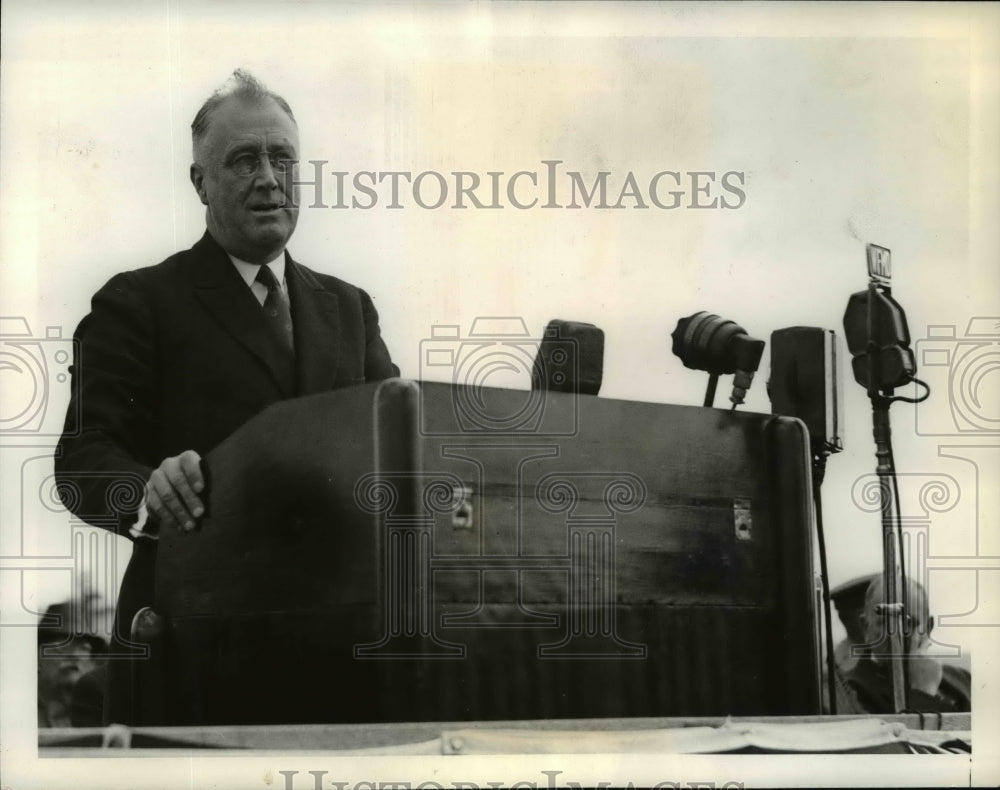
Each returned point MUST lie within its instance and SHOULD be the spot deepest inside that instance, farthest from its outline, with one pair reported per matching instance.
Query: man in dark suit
(174, 357)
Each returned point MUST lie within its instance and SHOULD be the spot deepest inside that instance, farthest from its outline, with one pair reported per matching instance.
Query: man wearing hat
(65, 655)
(863, 659)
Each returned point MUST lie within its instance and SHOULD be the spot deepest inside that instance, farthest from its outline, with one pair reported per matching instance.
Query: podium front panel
(404, 552)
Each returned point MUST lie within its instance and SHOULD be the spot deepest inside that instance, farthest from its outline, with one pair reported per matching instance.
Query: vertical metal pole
(892, 608)
(713, 382)
(892, 582)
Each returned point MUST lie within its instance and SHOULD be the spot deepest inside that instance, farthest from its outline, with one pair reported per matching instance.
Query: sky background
(851, 124)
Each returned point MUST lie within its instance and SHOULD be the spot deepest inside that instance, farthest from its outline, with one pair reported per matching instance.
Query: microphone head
(704, 341)
(570, 358)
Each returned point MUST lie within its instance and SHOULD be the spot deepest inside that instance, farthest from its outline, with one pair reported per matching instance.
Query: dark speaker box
(806, 382)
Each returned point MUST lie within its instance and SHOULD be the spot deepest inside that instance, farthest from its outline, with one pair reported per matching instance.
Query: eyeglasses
(247, 165)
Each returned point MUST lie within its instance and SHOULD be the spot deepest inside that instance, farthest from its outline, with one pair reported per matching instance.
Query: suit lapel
(316, 322)
(219, 287)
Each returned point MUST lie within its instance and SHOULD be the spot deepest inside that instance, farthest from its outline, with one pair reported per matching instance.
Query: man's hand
(172, 491)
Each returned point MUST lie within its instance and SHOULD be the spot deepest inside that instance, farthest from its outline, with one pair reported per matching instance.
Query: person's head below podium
(246, 149)
(915, 623)
(932, 686)
(64, 656)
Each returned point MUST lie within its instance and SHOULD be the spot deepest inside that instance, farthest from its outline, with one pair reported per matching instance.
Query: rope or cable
(921, 399)
(819, 470)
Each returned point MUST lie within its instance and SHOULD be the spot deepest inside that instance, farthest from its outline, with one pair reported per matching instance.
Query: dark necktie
(276, 307)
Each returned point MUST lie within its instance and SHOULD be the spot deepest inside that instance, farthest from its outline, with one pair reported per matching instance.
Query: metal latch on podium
(741, 519)
(461, 517)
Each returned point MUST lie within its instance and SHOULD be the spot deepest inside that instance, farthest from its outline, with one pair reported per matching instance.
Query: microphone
(806, 382)
(570, 358)
(704, 341)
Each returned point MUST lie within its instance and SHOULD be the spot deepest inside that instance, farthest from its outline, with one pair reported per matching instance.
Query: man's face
(915, 626)
(252, 207)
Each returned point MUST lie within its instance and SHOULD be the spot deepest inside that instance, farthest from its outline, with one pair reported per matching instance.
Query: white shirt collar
(248, 271)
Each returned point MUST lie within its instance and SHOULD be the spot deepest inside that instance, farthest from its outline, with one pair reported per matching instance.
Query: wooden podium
(427, 552)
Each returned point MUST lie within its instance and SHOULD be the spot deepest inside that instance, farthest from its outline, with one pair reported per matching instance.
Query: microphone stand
(713, 383)
(892, 577)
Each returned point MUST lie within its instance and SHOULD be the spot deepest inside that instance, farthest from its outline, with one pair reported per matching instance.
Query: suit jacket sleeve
(100, 463)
